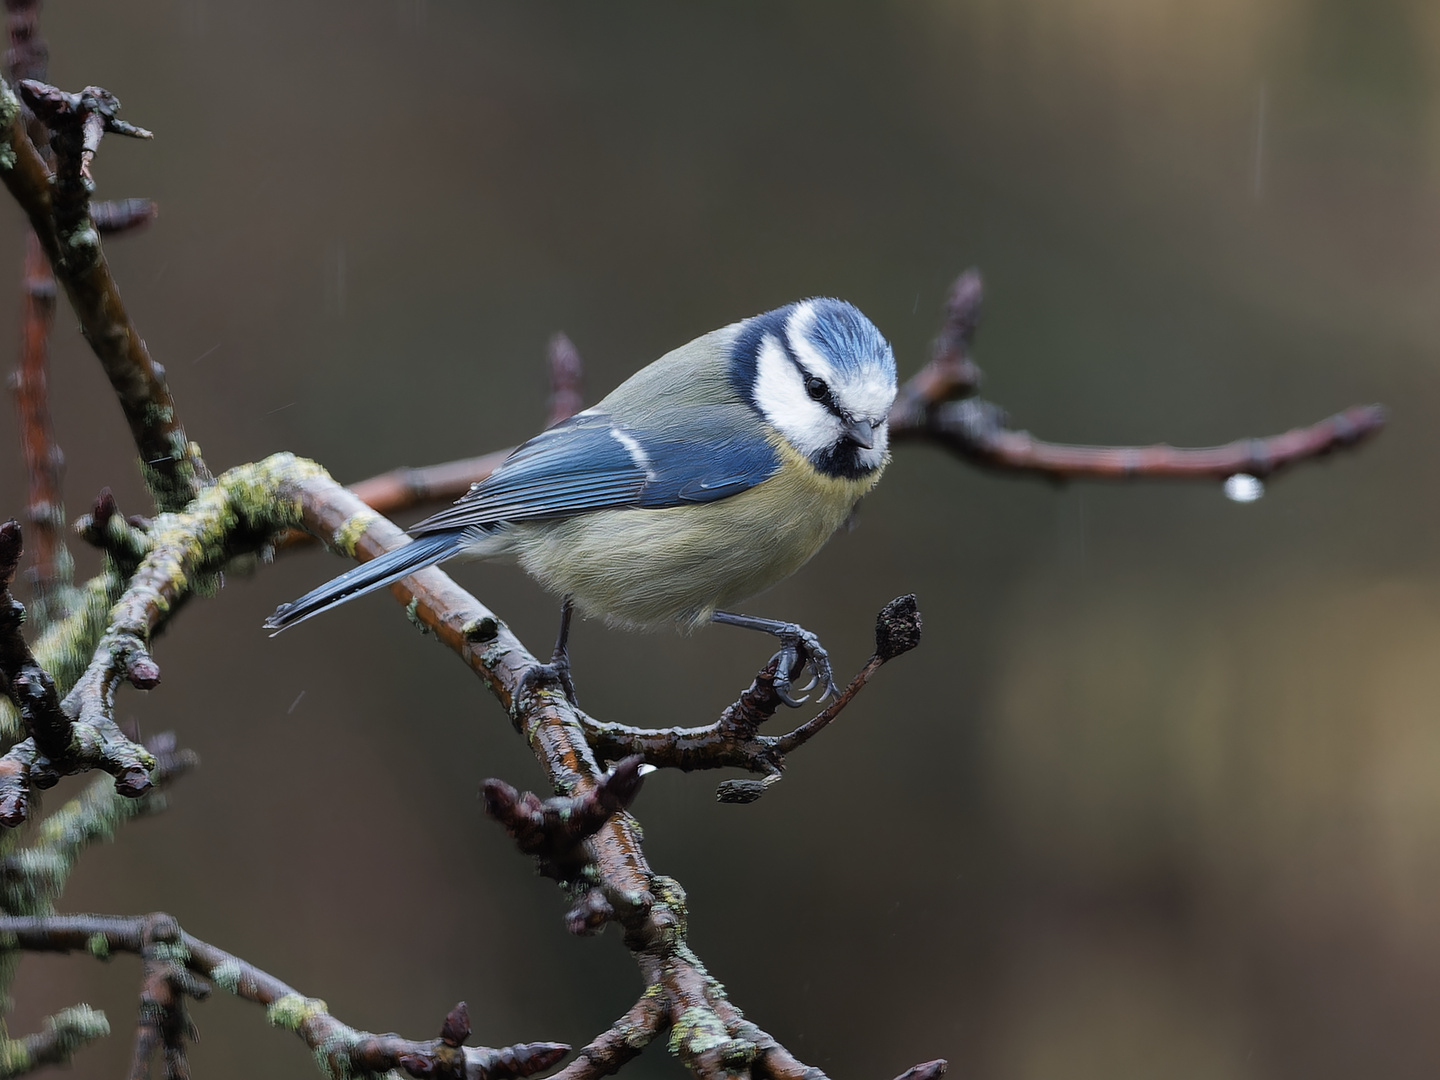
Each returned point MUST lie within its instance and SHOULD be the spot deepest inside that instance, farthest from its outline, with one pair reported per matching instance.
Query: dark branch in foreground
(172, 465)
(185, 552)
(28, 685)
(930, 408)
(343, 1050)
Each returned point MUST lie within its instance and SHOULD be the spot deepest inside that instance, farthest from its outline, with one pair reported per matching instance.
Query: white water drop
(1243, 488)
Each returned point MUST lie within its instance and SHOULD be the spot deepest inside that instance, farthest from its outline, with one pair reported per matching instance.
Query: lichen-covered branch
(64, 1033)
(929, 408)
(621, 1041)
(236, 514)
(64, 648)
(172, 465)
(33, 877)
(340, 1049)
(707, 1033)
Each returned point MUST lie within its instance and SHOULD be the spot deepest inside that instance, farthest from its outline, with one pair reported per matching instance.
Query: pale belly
(649, 568)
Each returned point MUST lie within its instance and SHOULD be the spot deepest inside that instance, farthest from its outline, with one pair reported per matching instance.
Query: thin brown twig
(342, 1049)
(929, 409)
(980, 432)
(50, 564)
(115, 218)
(567, 378)
(44, 461)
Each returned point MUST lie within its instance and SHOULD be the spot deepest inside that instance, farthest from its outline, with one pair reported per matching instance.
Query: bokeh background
(1157, 796)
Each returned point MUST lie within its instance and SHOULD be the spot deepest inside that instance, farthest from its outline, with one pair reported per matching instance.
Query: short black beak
(860, 432)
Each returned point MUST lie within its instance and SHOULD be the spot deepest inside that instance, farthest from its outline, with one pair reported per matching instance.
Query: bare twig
(28, 55)
(164, 1022)
(980, 432)
(76, 123)
(567, 375)
(734, 740)
(32, 878)
(172, 465)
(554, 830)
(113, 533)
(928, 409)
(341, 1049)
(28, 686)
(65, 1032)
(400, 489)
(50, 565)
(51, 568)
(123, 215)
(621, 1042)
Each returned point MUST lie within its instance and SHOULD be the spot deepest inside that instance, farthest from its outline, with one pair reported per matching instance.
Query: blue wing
(590, 462)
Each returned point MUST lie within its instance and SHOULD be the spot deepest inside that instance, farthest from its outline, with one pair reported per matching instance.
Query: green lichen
(697, 1030)
(83, 240)
(412, 612)
(99, 946)
(14, 1058)
(292, 1010)
(175, 952)
(226, 975)
(348, 534)
(9, 106)
(77, 1025)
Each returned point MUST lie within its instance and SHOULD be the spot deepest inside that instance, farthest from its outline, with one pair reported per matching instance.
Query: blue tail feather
(375, 574)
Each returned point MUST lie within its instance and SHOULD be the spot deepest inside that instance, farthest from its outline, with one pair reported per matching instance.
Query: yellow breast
(647, 568)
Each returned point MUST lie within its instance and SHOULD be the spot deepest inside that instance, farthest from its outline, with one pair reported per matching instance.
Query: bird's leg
(798, 647)
(559, 666)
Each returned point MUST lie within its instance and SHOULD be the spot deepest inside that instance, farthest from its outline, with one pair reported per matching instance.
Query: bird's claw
(798, 648)
(556, 672)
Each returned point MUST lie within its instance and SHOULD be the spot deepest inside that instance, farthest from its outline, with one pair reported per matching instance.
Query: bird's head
(824, 377)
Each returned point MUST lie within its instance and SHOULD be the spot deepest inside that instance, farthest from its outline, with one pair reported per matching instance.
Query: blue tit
(711, 474)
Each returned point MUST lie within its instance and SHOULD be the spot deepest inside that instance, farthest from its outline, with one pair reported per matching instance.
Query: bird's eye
(817, 388)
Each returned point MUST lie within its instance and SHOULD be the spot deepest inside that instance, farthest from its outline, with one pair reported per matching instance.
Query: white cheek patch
(780, 393)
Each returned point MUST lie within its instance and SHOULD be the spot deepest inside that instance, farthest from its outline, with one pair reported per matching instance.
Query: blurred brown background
(1157, 796)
